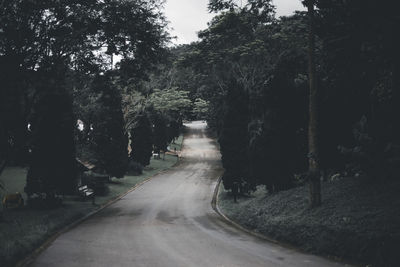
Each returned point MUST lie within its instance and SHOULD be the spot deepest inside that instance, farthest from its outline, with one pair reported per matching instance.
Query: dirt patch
(359, 221)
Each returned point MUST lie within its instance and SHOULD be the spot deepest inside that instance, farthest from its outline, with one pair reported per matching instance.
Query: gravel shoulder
(358, 222)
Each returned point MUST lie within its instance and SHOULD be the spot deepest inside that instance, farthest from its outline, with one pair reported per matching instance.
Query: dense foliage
(265, 60)
(248, 76)
(51, 51)
(141, 140)
(52, 169)
(109, 139)
(258, 69)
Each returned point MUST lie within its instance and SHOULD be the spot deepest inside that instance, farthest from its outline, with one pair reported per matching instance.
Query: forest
(292, 100)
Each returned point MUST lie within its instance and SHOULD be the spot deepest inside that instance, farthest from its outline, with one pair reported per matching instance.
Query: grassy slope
(21, 231)
(358, 221)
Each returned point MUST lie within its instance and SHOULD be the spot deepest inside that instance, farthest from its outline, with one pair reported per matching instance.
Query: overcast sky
(187, 17)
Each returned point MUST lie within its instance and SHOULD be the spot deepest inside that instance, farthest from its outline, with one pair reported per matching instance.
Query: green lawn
(177, 144)
(13, 179)
(22, 231)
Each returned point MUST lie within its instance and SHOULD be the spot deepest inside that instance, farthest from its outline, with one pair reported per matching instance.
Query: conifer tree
(233, 136)
(141, 140)
(52, 169)
(160, 136)
(111, 141)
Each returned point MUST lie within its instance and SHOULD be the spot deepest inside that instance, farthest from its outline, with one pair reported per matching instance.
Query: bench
(158, 155)
(97, 182)
(85, 192)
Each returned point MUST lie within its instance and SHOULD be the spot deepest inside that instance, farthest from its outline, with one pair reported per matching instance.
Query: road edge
(214, 204)
(29, 259)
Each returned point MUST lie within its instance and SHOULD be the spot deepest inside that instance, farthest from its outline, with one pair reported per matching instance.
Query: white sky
(187, 17)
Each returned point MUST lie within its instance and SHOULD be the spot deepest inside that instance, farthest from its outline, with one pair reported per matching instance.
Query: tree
(160, 137)
(141, 140)
(265, 57)
(109, 136)
(66, 44)
(171, 102)
(313, 152)
(360, 59)
(4, 147)
(200, 108)
(52, 169)
(233, 137)
(135, 30)
(170, 107)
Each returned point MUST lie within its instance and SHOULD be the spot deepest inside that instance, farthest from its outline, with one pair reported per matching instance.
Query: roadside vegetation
(81, 111)
(25, 229)
(300, 100)
(82, 93)
(90, 90)
(254, 69)
(356, 223)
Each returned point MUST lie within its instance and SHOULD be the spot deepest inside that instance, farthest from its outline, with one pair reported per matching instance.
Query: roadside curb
(34, 254)
(214, 204)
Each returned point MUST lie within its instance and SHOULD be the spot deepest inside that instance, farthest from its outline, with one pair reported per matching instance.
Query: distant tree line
(254, 70)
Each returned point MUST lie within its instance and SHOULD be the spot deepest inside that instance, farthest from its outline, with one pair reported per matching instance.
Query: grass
(358, 221)
(23, 230)
(177, 144)
(13, 179)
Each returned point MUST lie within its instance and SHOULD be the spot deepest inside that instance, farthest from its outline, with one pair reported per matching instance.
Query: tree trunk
(314, 177)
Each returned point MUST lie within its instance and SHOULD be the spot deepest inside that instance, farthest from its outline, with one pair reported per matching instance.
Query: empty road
(169, 221)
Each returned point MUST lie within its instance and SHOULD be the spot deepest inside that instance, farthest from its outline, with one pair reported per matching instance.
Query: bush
(44, 201)
(135, 168)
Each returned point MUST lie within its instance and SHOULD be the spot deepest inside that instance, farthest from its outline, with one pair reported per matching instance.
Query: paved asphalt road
(169, 221)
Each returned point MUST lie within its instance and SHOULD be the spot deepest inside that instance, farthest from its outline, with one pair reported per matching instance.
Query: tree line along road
(169, 221)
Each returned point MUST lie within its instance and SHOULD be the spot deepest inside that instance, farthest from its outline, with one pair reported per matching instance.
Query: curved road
(169, 221)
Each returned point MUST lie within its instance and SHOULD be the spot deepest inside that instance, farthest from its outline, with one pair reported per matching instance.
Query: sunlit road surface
(169, 221)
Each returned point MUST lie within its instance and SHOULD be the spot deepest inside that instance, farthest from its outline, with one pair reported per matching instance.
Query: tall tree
(200, 108)
(172, 106)
(52, 169)
(360, 61)
(109, 136)
(141, 140)
(160, 136)
(233, 136)
(313, 151)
